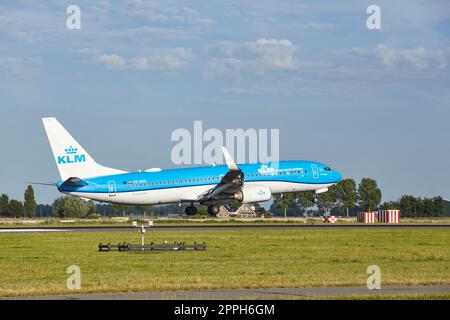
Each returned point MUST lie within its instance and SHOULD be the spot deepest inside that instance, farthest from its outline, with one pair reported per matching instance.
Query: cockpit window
(327, 168)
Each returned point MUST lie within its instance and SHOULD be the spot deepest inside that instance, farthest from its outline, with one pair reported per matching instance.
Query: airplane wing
(228, 185)
(52, 184)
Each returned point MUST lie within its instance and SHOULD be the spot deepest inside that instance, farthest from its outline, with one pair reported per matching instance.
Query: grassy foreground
(35, 264)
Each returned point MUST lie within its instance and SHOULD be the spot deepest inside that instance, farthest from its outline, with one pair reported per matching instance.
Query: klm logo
(71, 156)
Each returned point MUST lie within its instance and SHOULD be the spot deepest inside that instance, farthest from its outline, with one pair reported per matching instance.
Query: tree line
(16, 208)
(344, 198)
(411, 206)
(348, 198)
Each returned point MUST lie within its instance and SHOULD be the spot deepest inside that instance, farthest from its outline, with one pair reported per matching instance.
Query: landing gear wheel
(213, 210)
(190, 211)
(316, 200)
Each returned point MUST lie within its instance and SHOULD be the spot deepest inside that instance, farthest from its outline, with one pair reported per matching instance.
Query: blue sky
(372, 103)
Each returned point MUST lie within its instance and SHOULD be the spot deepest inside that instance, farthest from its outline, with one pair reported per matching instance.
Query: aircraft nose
(337, 176)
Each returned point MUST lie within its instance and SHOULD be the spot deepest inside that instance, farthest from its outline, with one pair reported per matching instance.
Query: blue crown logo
(71, 150)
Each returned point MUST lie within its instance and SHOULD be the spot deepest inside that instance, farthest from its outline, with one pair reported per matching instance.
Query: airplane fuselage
(188, 184)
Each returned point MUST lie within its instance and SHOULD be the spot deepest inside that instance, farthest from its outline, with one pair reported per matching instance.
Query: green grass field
(35, 264)
(105, 222)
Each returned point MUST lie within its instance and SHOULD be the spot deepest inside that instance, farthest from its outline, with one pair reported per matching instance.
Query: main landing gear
(213, 210)
(191, 210)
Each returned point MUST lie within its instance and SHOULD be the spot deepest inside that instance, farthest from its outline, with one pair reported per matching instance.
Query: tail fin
(72, 160)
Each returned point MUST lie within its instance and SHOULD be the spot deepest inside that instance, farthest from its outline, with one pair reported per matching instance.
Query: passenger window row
(277, 174)
(148, 184)
(217, 179)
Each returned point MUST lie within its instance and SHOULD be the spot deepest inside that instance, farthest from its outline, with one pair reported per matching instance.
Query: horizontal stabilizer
(74, 182)
(52, 184)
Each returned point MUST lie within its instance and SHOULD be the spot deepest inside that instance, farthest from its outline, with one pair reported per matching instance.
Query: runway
(227, 227)
(31, 230)
(288, 293)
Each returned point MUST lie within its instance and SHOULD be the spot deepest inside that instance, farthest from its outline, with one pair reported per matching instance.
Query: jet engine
(250, 194)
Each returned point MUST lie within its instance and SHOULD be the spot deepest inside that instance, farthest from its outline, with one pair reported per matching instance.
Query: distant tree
(202, 211)
(446, 207)
(427, 207)
(409, 206)
(284, 201)
(58, 207)
(30, 203)
(390, 205)
(4, 205)
(438, 205)
(72, 207)
(91, 208)
(43, 210)
(144, 209)
(369, 195)
(234, 205)
(105, 209)
(327, 199)
(305, 200)
(75, 207)
(260, 211)
(120, 208)
(346, 195)
(15, 208)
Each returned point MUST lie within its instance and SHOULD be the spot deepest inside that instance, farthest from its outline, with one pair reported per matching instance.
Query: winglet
(229, 160)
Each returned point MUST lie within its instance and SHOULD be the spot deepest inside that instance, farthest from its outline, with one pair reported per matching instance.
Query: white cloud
(274, 54)
(322, 26)
(152, 10)
(223, 48)
(259, 57)
(419, 58)
(167, 60)
(224, 67)
(6, 21)
(150, 33)
(112, 61)
(274, 90)
(16, 65)
(163, 60)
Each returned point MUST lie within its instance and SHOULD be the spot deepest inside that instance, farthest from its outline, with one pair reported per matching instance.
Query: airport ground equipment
(181, 246)
(152, 246)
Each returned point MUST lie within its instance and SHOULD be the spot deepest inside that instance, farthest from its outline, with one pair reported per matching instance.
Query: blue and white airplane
(81, 176)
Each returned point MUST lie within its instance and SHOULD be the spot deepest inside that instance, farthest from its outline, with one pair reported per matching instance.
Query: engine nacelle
(250, 194)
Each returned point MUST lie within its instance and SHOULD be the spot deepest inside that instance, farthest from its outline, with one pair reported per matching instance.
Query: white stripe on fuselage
(188, 194)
